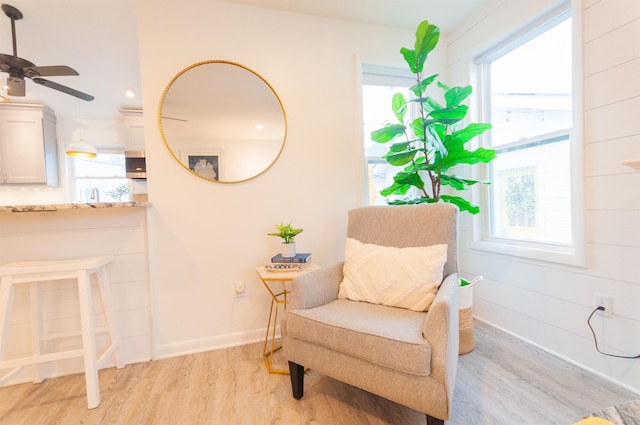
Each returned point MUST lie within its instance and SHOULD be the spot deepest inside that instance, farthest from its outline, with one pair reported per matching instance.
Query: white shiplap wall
(121, 232)
(546, 303)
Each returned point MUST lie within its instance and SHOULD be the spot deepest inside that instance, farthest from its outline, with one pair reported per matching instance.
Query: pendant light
(82, 150)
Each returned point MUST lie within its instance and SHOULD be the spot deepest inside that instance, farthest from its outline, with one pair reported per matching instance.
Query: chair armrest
(315, 288)
(442, 331)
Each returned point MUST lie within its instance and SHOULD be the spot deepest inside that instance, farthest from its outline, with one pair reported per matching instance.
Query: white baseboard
(208, 344)
(74, 366)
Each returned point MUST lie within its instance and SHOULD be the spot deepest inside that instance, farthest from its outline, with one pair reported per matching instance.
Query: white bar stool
(34, 272)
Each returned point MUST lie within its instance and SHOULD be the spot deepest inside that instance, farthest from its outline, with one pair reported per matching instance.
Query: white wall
(204, 236)
(548, 303)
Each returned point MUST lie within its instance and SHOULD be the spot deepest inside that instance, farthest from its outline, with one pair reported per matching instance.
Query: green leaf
(286, 232)
(456, 95)
(435, 138)
(420, 88)
(420, 164)
(411, 179)
(461, 203)
(457, 154)
(399, 201)
(387, 133)
(410, 58)
(420, 159)
(413, 201)
(450, 115)
(432, 104)
(427, 37)
(399, 106)
(443, 86)
(456, 182)
(474, 157)
(399, 158)
(395, 189)
(410, 168)
(403, 179)
(440, 130)
(469, 132)
(399, 147)
(418, 128)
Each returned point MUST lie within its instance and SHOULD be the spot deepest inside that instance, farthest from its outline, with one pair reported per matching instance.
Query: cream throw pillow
(397, 277)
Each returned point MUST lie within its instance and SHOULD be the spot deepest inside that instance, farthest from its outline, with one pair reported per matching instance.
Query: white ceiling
(98, 38)
(446, 14)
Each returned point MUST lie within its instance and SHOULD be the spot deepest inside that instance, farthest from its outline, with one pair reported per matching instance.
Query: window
(528, 96)
(378, 87)
(100, 179)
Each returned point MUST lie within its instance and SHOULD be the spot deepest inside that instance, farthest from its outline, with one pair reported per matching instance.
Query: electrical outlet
(239, 287)
(604, 301)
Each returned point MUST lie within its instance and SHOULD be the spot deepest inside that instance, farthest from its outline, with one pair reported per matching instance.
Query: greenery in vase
(286, 231)
(428, 146)
(119, 192)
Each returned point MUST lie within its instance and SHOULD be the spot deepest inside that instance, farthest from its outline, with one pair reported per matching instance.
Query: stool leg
(6, 301)
(105, 295)
(88, 339)
(35, 306)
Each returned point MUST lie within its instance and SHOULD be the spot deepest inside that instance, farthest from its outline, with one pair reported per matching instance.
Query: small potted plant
(119, 192)
(287, 232)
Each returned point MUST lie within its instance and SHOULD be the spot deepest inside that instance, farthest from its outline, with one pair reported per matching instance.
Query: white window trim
(573, 254)
(71, 176)
(382, 76)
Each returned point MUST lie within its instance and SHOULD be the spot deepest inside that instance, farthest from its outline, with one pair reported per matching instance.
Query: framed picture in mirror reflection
(205, 164)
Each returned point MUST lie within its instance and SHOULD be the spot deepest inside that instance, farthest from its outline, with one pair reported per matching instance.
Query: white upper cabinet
(134, 129)
(28, 146)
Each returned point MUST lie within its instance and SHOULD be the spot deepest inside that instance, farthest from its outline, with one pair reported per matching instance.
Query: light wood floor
(503, 381)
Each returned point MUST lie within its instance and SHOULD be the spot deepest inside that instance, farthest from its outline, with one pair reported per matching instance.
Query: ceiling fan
(19, 68)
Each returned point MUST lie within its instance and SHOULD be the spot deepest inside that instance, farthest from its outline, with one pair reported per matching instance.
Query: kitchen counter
(47, 232)
(61, 207)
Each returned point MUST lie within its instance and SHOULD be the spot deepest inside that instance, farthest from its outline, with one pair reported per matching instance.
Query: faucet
(95, 194)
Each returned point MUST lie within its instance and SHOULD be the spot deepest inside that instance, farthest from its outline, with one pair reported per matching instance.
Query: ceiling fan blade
(63, 89)
(49, 71)
(15, 86)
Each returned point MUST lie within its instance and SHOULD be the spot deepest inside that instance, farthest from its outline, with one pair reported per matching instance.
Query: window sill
(561, 254)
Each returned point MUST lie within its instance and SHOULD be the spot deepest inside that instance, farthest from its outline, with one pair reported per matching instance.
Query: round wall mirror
(222, 121)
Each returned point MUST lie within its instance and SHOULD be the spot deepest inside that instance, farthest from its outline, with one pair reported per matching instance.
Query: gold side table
(276, 283)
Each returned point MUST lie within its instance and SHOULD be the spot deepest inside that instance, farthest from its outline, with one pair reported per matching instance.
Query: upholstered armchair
(399, 353)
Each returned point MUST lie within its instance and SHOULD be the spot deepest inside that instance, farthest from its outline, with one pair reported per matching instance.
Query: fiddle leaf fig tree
(427, 147)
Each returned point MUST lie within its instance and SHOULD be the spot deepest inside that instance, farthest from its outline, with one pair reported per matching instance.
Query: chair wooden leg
(297, 379)
(434, 421)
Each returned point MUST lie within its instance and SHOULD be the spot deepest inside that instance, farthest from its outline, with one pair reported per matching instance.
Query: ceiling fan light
(81, 150)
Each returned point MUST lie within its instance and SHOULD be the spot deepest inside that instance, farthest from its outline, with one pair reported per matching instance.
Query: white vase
(465, 297)
(288, 249)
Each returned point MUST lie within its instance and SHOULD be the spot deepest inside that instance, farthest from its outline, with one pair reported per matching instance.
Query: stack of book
(300, 258)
